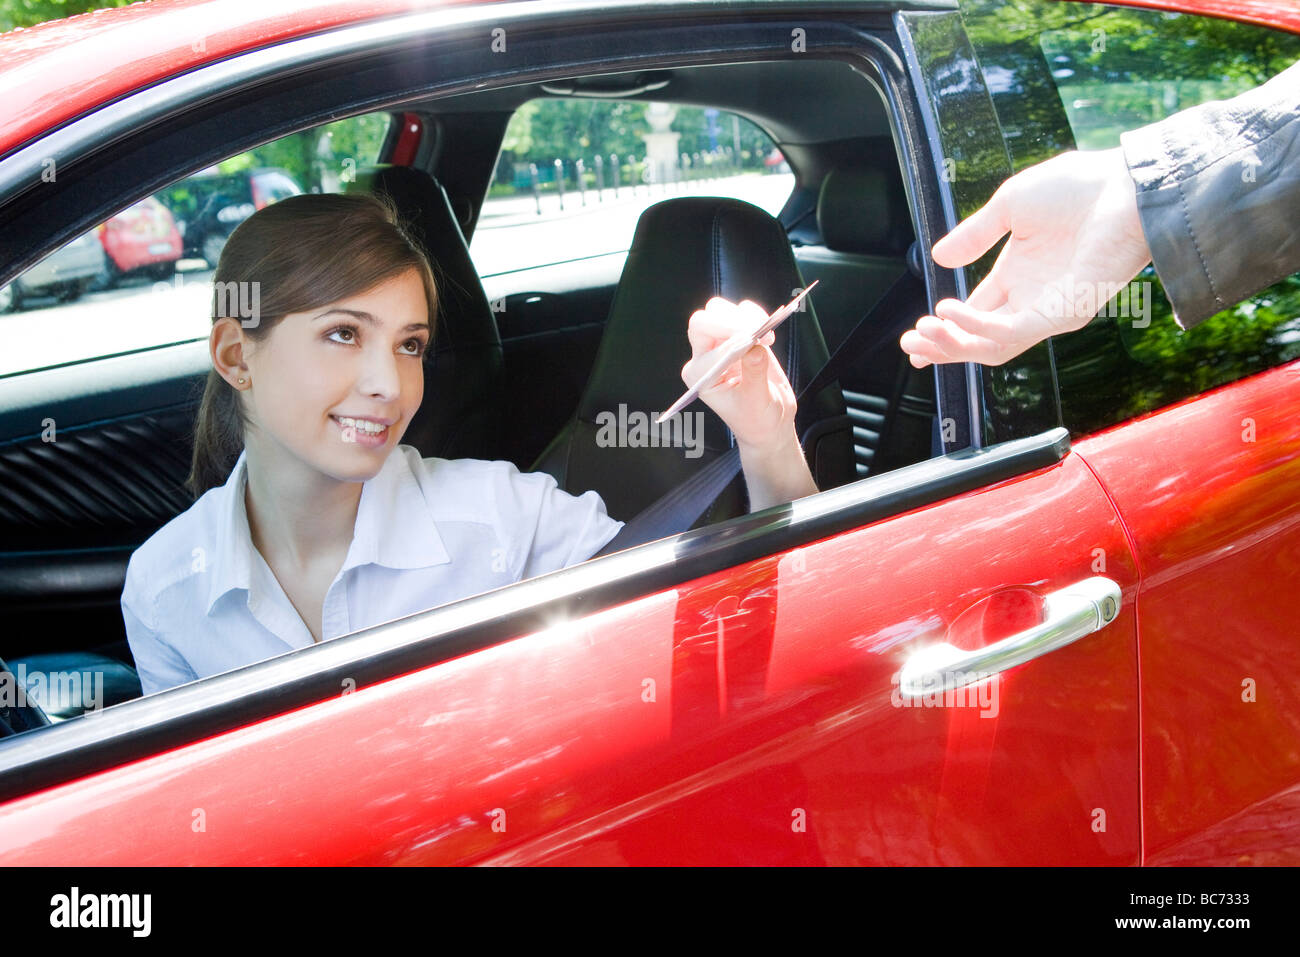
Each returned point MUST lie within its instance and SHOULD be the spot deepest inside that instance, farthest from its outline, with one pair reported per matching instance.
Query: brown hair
(300, 253)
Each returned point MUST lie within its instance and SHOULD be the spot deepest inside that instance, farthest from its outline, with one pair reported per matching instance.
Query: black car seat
(686, 251)
(865, 230)
(459, 413)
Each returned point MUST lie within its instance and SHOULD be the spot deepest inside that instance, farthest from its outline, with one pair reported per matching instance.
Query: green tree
(322, 158)
(544, 130)
(28, 13)
(1076, 75)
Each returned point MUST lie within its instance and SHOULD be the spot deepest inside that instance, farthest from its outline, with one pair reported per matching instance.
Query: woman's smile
(363, 432)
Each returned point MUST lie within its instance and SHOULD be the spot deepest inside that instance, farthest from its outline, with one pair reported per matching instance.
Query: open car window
(855, 259)
(574, 176)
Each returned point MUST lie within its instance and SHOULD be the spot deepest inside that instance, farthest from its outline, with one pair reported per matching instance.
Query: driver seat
(686, 251)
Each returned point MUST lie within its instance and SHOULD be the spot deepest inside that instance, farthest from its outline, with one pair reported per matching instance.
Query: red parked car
(1031, 617)
(142, 237)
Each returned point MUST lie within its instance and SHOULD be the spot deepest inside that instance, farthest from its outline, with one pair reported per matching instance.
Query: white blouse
(200, 599)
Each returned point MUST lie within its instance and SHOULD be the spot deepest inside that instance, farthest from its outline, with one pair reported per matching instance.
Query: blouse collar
(394, 527)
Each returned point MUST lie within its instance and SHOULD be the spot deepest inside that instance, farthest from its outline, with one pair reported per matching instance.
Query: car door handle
(1072, 612)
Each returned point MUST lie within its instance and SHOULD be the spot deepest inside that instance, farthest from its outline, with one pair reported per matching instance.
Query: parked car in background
(776, 161)
(65, 275)
(210, 204)
(142, 239)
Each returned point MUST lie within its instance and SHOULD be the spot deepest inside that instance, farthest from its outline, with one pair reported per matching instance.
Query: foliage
(544, 130)
(323, 158)
(28, 13)
(1073, 75)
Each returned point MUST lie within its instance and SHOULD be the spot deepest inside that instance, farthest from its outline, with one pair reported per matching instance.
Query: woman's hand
(754, 398)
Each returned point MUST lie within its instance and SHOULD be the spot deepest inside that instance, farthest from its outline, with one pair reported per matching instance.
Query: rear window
(1076, 75)
(143, 278)
(574, 175)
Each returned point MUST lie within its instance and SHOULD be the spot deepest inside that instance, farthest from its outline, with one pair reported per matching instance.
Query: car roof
(58, 70)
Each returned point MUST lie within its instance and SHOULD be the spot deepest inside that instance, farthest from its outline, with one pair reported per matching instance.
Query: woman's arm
(756, 401)
(777, 474)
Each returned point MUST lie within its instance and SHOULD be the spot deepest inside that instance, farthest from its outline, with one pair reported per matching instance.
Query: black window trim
(952, 380)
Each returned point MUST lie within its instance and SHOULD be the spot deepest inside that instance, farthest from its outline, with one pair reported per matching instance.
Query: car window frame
(212, 705)
(966, 137)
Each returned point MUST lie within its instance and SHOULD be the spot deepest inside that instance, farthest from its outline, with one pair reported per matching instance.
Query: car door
(933, 665)
(1194, 434)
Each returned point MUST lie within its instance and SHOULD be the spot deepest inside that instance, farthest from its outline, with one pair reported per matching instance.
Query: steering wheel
(18, 712)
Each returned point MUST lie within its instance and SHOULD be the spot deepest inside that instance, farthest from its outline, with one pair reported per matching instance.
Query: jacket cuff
(1217, 186)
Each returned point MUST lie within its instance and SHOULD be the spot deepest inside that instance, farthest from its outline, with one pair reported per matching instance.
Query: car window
(574, 175)
(143, 278)
(1066, 76)
(733, 158)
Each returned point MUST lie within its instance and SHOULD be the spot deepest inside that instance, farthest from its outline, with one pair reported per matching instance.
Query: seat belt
(681, 507)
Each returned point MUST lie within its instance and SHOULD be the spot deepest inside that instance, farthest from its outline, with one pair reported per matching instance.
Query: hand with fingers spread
(1076, 238)
(754, 398)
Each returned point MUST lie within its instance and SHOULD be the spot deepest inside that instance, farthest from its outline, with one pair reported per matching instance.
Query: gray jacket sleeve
(1218, 191)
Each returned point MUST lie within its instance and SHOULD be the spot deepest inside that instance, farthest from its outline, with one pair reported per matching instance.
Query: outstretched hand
(1076, 239)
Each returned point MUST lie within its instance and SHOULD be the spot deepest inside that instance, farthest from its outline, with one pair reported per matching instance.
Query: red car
(1030, 618)
(142, 237)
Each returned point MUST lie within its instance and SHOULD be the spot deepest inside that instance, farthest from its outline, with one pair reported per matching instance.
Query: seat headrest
(428, 216)
(684, 252)
(860, 211)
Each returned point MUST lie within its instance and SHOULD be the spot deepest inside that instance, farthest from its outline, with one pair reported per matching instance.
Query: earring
(241, 381)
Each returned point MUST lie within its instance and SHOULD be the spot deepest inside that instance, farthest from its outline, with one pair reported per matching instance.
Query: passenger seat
(865, 229)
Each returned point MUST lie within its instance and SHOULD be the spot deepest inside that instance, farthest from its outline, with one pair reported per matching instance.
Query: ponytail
(218, 436)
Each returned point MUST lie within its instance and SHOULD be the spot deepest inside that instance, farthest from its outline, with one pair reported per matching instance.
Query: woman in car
(311, 520)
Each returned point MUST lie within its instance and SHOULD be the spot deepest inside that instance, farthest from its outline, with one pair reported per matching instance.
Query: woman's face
(320, 373)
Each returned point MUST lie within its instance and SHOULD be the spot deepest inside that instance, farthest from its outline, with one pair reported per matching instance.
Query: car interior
(523, 360)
